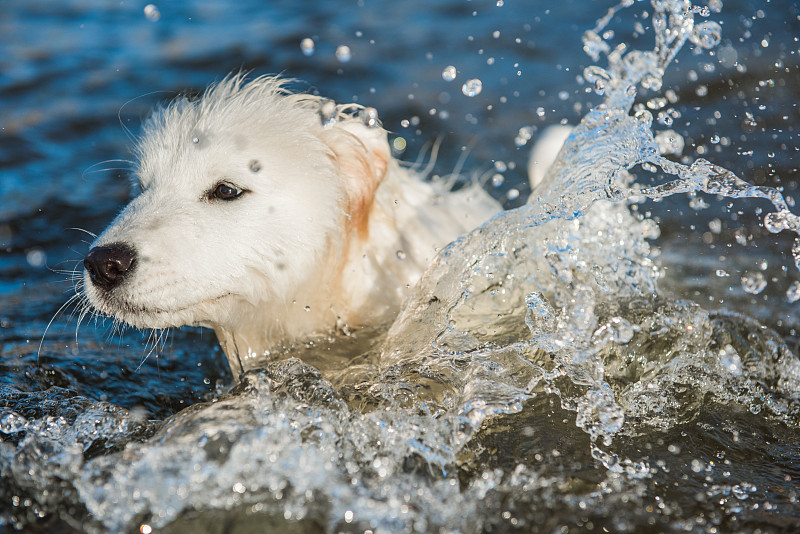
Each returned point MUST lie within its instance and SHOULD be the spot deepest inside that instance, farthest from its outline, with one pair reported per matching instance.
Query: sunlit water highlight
(539, 378)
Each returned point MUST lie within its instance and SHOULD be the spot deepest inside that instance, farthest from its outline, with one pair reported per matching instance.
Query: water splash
(629, 139)
(576, 242)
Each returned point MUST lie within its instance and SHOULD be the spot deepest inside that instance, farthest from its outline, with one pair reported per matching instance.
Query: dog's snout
(109, 265)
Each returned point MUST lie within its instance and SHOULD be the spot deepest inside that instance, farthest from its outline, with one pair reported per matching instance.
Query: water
(576, 364)
(472, 87)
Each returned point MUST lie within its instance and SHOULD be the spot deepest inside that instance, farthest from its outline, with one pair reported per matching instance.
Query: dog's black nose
(109, 265)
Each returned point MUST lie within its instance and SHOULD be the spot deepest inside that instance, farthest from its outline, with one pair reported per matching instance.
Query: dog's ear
(362, 156)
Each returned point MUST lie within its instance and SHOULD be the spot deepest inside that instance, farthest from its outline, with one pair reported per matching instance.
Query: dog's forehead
(192, 142)
(191, 155)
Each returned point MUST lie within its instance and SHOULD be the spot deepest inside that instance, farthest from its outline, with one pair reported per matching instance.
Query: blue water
(76, 76)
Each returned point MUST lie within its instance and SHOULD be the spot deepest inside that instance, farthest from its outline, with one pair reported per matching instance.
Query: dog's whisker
(69, 301)
(127, 130)
(104, 169)
(156, 336)
(85, 309)
(91, 168)
(90, 234)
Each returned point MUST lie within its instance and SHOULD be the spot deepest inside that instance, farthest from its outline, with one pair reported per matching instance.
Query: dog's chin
(144, 318)
(149, 317)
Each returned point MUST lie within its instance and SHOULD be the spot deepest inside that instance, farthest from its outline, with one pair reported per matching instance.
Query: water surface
(570, 376)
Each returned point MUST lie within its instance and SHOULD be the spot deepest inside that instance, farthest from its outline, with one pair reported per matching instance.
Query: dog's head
(244, 195)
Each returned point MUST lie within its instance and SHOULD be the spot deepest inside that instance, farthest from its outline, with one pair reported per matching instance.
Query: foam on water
(543, 332)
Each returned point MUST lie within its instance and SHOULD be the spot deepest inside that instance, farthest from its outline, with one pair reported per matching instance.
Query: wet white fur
(333, 230)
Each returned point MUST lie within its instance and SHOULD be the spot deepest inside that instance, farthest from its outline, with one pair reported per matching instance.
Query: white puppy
(268, 216)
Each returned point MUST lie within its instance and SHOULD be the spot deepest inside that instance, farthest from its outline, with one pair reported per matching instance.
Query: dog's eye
(225, 192)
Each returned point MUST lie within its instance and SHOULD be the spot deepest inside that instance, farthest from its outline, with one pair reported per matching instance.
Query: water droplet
(307, 46)
(793, 293)
(307, 308)
(665, 118)
(598, 414)
(255, 165)
(472, 87)
(697, 204)
(657, 103)
(777, 221)
(449, 73)
(343, 54)
(593, 45)
(152, 13)
(706, 35)
(523, 136)
(399, 144)
(754, 283)
(741, 491)
(400, 255)
(644, 116)
(12, 422)
(497, 180)
(195, 140)
(328, 112)
(722, 273)
(500, 166)
(651, 81)
(369, 116)
(669, 142)
(741, 236)
(540, 316)
(36, 257)
(730, 361)
(500, 3)
(599, 87)
(621, 330)
(512, 194)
